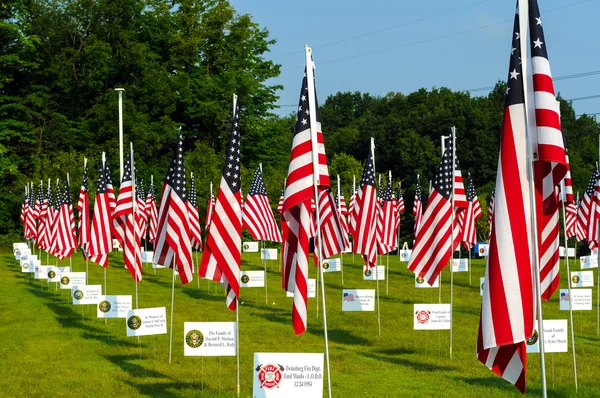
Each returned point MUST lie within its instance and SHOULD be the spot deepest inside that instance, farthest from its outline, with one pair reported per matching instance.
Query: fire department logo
(367, 272)
(134, 322)
(25, 265)
(194, 338)
(420, 280)
(78, 295)
(534, 338)
(422, 316)
(51, 274)
(245, 279)
(104, 306)
(325, 265)
(575, 279)
(269, 375)
(65, 280)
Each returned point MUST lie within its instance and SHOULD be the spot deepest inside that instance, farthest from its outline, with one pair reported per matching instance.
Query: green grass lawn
(52, 348)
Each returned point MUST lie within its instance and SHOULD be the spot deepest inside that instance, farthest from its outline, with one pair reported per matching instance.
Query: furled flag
(30, 231)
(141, 216)
(24, 210)
(222, 251)
(194, 216)
(417, 207)
(54, 234)
(299, 196)
(83, 209)
(351, 206)
(343, 212)
(469, 217)
(491, 210)
(433, 246)
(38, 203)
(172, 246)
(42, 217)
(280, 203)
(588, 208)
(66, 231)
(363, 223)
(567, 197)
(49, 224)
(151, 212)
(257, 215)
(579, 228)
(100, 233)
(333, 235)
(387, 240)
(210, 208)
(125, 229)
(399, 205)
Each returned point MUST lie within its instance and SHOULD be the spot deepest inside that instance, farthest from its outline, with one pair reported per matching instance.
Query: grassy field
(52, 348)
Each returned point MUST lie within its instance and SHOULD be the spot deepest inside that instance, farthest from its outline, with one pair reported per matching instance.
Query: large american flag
(222, 252)
(100, 233)
(125, 229)
(83, 209)
(194, 216)
(588, 208)
(151, 212)
(433, 246)
(363, 223)
(417, 207)
(298, 199)
(172, 246)
(469, 217)
(257, 215)
(387, 213)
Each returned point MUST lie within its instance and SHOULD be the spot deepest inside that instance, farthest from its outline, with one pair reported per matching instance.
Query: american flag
(194, 216)
(399, 205)
(417, 207)
(54, 234)
(299, 197)
(42, 216)
(24, 208)
(491, 210)
(141, 216)
(66, 231)
(222, 252)
(172, 246)
(151, 212)
(210, 208)
(387, 240)
(567, 197)
(333, 235)
(49, 224)
(280, 203)
(125, 229)
(38, 203)
(30, 228)
(469, 217)
(363, 223)
(433, 247)
(257, 215)
(586, 213)
(343, 212)
(100, 233)
(83, 208)
(351, 206)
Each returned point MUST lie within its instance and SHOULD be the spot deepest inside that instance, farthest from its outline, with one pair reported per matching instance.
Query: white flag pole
(531, 137)
(387, 256)
(444, 137)
(453, 138)
(69, 193)
(134, 204)
(376, 272)
(352, 210)
(105, 292)
(262, 255)
(47, 212)
(312, 104)
(399, 224)
(172, 305)
(237, 304)
(87, 260)
(339, 195)
(120, 92)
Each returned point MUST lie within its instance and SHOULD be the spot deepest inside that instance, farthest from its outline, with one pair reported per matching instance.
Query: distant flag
(151, 212)
(491, 210)
(257, 215)
(42, 216)
(83, 209)
(24, 210)
(141, 215)
(400, 208)
(222, 252)
(280, 203)
(333, 235)
(588, 208)
(417, 207)
(387, 240)
(194, 217)
(172, 246)
(54, 234)
(469, 217)
(100, 232)
(343, 212)
(66, 232)
(125, 228)
(49, 219)
(569, 202)
(210, 208)
(38, 203)
(30, 230)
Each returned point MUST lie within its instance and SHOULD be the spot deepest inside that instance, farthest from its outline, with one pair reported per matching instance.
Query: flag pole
(120, 92)
(87, 260)
(339, 195)
(399, 224)
(387, 256)
(564, 196)
(47, 212)
(71, 256)
(134, 203)
(315, 162)
(470, 248)
(154, 269)
(237, 304)
(172, 304)
(376, 253)
(352, 210)
(453, 138)
(262, 255)
(530, 128)
(443, 138)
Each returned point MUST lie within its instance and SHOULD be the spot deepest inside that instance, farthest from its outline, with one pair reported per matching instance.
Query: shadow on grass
(397, 351)
(170, 389)
(339, 336)
(202, 294)
(128, 365)
(503, 385)
(419, 366)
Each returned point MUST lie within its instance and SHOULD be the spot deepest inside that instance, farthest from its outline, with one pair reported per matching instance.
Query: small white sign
(460, 265)
(146, 321)
(147, 256)
(421, 283)
(287, 375)
(588, 262)
(482, 249)
(332, 265)
(70, 279)
(481, 282)
(29, 265)
(209, 339)
(268, 254)
(358, 300)
(116, 245)
(348, 249)
(432, 316)
(571, 252)
(582, 299)
(582, 279)
(18, 247)
(86, 294)
(312, 289)
(54, 273)
(41, 271)
(555, 337)
(369, 274)
(113, 306)
(252, 278)
(22, 254)
(405, 255)
(250, 247)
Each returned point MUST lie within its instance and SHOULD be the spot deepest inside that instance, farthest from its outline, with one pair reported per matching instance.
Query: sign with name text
(332, 265)
(581, 298)
(250, 247)
(432, 316)
(370, 275)
(268, 254)
(70, 279)
(54, 273)
(588, 262)
(358, 300)
(146, 321)
(41, 271)
(287, 375)
(113, 306)
(555, 337)
(209, 339)
(460, 265)
(252, 278)
(571, 251)
(582, 279)
(422, 283)
(86, 294)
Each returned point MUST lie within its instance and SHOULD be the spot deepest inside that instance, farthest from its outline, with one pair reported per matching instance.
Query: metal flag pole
(105, 292)
(376, 254)
(154, 269)
(134, 204)
(48, 211)
(469, 248)
(530, 129)
(453, 138)
(197, 263)
(172, 304)
(262, 255)
(120, 92)
(443, 139)
(87, 260)
(387, 256)
(315, 162)
(563, 194)
(71, 256)
(598, 272)
(237, 304)
(399, 224)
(339, 195)
(352, 210)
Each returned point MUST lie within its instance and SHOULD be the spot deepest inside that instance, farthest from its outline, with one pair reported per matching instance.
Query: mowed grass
(52, 348)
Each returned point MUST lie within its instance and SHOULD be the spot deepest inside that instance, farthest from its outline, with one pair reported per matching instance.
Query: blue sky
(466, 47)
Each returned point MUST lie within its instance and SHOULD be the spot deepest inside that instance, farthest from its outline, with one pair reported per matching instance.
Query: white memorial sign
(209, 339)
(41, 271)
(405, 255)
(18, 247)
(250, 247)
(421, 283)
(252, 278)
(431, 316)
(287, 375)
(358, 300)
(268, 254)
(332, 265)
(369, 274)
(22, 254)
(54, 273)
(571, 251)
(146, 321)
(588, 262)
(86, 294)
(147, 256)
(482, 249)
(460, 265)
(481, 282)
(312, 289)
(582, 299)
(582, 279)
(555, 337)
(70, 279)
(113, 306)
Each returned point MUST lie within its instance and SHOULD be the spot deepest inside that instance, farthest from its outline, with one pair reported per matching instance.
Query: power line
(584, 98)
(565, 77)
